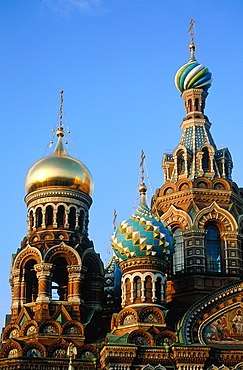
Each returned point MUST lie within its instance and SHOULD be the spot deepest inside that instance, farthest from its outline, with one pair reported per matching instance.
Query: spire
(142, 187)
(192, 45)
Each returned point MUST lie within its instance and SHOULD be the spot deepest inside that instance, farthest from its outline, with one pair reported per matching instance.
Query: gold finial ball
(142, 188)
(61, 91)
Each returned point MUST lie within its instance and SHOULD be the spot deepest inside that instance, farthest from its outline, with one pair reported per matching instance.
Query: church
(171, 296)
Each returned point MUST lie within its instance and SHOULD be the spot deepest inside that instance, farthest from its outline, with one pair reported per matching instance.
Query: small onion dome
(193, 75)
(143, 235)
(59, 169)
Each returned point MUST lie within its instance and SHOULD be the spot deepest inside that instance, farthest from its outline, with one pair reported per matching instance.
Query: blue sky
(115, 61)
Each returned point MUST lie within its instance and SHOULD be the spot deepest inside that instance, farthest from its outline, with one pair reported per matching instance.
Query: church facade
(172, 295)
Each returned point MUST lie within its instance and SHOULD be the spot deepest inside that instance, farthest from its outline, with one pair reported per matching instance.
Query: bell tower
(199, 200)
(56, 275)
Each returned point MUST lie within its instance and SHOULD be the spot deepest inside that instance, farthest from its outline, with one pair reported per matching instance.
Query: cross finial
(191, 30)
(61, 105)
(114, 220)
(192, 45)
(142, 166)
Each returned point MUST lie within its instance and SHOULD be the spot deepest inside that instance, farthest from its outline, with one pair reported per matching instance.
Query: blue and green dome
(193, 75)
(143, 235)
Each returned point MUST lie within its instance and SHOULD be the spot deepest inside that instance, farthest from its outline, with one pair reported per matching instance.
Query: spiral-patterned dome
(193, 75)
(143, 235)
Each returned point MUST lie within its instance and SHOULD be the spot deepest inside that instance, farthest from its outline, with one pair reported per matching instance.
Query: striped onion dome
(193, 75)
(143, 235)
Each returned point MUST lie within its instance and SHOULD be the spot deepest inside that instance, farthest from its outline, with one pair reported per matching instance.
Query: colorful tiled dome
(193, 75)
(143, 235)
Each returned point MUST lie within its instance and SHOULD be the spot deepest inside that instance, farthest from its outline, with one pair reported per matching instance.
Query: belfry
(171, 296)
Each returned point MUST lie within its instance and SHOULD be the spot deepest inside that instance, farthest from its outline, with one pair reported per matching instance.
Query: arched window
(81, 220)
(189, 105)
(31, 216)
(49, 215)
(60, 216)
(178, 256)
(197, 104)
(180, 162)
(72, 218)
(148, 287)
(38, 217)
(213, 254)
(31, 281)
(60, 280)
(205, 160)
(137, 287)
(158, 288)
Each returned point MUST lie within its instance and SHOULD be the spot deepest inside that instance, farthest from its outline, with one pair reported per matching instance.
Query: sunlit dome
(143, 235)
(59, 169)
(193, 74)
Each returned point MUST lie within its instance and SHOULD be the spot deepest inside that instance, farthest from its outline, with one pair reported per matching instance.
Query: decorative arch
(220, 184)
(29, 327)
(123, 314)
(152, 315)
(63, 250)
(91, 258)
(50, 327)
(178, 217)
(58, 349)
(87, 352)
(183, 184)
(167, 189)
(202, 183)
(11, 349)
(29, 252)
(208, 309)
(166, 336)
(34, 349)
(215, 213)
(73, 328)
(11, 331)
(140, 338)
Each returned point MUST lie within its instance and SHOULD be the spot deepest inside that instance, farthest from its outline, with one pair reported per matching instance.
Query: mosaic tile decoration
(143, 235)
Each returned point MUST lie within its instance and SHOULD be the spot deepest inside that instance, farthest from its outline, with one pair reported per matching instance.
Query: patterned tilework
(142, 235)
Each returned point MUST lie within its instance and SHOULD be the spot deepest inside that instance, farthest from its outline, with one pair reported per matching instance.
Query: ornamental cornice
(143, 263)
(194, 232)
(58, 200)
(192, 192)
(58, 193)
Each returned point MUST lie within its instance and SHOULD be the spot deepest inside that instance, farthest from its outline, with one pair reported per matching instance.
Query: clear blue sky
(115, 61)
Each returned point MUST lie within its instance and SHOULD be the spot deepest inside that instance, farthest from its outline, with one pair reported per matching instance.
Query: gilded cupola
(59, 169)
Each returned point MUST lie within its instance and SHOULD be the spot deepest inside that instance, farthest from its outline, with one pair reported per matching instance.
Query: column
(74, 283)
(44, 275)
(16, 287)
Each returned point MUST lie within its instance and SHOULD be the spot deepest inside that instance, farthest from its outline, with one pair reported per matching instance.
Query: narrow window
(60, 216)
(158, 288)
(178, 256)
(72, 218)
(49, 215)
(38, 217)
(137, 287)
(205, 160)
(213, 249)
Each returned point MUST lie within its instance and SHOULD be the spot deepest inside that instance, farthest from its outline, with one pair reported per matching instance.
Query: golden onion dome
(59, 169)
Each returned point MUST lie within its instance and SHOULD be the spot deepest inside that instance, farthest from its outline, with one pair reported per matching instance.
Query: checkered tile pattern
(142, 235)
